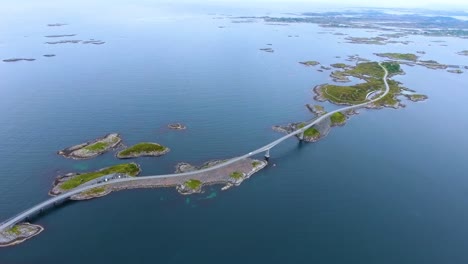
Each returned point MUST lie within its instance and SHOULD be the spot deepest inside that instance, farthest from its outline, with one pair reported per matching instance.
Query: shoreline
(217, 177)
(13, 238)
(78, 152)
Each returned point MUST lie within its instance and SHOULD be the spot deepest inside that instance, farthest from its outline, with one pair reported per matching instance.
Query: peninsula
(371, 73)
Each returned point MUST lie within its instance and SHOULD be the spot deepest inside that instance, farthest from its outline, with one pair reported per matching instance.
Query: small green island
(412, 60)
(458, 71)
(143, 149)
(339, 65)
(72, 180)
(399, 56)
(416, 97)
(93, 148)
(363, 40)
(309, 63)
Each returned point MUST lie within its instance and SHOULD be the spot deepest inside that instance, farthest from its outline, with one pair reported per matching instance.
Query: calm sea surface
(389, 187)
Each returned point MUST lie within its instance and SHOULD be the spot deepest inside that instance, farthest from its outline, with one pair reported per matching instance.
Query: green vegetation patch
(193, 184)
(311, 132)
(95, 191)
(98, 146)
(392, 67)
(399, 56)
(390, 98)
(353, 94)
(366, 70)
(374, 40)
(236, 175)
(372, 73)
(130, 169)
(337, 118)
(418, 96)
(143, 147)
(15, 230)
(255, 163)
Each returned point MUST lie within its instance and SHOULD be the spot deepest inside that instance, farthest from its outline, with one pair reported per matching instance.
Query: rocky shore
(291, 127)
(317, 110)
(93, 148)
(217, 176)
(177, 126)
(19, 233)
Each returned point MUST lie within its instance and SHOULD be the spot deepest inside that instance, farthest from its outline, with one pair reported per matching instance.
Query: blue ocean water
(389, 187)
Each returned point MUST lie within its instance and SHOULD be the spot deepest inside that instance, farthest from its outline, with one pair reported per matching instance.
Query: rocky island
(143, 149)
(416, 97)
(60, 36)
(412, 60)
(373, 40)
(458, 71)
(317, 110)
(19, 233)
(398, 56)
(93, 148)
(267, 50)
(72, 41)
(18, 59)
(309, 63)
(177, 126)
(56, 25)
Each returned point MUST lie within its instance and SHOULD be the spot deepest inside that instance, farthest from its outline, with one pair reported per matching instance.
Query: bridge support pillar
(267, 154)
(301, 136)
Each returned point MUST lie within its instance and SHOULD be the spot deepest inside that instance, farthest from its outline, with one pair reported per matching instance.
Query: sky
(125, 8)
(349, 3)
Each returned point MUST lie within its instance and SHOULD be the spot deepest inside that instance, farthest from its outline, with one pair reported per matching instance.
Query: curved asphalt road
(22, 216)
